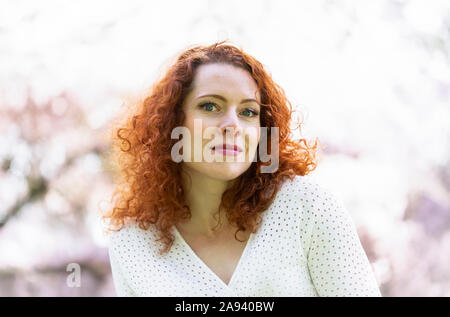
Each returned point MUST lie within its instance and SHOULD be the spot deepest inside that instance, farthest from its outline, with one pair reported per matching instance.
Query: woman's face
(234, 108)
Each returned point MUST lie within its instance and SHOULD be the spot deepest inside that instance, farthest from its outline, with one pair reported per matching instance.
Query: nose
(230, 125)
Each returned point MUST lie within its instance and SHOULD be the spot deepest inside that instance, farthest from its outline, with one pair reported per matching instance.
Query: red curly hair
(148, 188)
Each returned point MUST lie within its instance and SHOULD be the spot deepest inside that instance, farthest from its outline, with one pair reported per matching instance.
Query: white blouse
(307, 245)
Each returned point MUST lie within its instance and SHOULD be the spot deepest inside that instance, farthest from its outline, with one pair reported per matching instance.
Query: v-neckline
(202, 263)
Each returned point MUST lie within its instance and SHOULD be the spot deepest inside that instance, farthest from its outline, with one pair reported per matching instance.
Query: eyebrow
(224, 99)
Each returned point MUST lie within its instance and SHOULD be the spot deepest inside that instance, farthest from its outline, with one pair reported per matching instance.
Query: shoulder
(314, 205)
(126, 233)
(130, 238)
(307, 199)
(313, 198)
(306, 190)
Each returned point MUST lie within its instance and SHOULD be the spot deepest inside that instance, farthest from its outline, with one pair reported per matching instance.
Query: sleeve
(120, 283)
(337, 262)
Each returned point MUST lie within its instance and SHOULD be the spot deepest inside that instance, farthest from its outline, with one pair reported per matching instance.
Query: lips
(228, 147)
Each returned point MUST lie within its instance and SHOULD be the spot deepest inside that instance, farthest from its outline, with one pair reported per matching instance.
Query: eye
(208, 105)
(251, 111)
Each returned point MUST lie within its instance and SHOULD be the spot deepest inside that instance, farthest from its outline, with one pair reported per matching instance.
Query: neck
(203, 195)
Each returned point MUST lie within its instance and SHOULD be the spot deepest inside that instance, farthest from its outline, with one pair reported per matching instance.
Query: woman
(237, 225)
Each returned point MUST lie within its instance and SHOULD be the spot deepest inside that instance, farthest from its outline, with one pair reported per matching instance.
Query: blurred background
(371, 80)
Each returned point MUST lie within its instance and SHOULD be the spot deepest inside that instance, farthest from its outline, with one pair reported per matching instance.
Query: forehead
(223, 79)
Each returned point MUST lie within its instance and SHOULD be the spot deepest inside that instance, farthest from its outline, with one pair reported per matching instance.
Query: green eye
(255, 113)
(208, 106)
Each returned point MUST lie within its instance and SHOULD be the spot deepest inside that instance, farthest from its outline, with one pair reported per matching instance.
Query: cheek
(189, 120)
(257, 139)
(202, 125)
(252, 139)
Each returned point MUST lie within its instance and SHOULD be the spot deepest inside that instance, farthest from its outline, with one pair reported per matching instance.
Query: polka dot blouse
(307, 245)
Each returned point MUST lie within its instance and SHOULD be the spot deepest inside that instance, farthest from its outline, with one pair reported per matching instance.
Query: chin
(225, 171)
